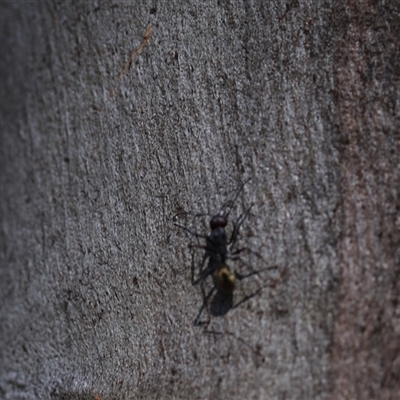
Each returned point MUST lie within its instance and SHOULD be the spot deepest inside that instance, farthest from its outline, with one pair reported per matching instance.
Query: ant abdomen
(224, 280)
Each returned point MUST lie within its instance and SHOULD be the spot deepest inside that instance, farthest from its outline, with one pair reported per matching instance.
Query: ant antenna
(232, 202)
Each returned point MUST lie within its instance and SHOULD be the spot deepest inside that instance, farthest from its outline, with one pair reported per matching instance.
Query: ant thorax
(217, 245)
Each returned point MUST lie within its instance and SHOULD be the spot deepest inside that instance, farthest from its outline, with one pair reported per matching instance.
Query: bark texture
(112, 131)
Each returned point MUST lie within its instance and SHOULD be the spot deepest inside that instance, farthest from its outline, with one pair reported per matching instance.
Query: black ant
(218, 249)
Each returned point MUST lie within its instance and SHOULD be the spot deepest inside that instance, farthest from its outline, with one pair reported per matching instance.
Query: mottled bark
(111, 131)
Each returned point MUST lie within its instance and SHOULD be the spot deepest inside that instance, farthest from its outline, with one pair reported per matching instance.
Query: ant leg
(203, 273)
(232, 202)
(206, 298)
(228, 203)
(238, 251)
(236, 257)
(248, 297)
(238, 338)
(195, 234)
(271, 285)
(192, 271)
(238, 224)
(191, 214)
(253, 272)
(197, 246)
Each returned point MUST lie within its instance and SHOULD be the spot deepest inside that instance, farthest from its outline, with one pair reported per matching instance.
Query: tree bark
(120, 119)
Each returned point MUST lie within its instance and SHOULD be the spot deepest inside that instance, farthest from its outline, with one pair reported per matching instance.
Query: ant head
(218, 221)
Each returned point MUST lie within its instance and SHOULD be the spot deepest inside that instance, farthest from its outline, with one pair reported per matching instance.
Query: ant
(218, 250)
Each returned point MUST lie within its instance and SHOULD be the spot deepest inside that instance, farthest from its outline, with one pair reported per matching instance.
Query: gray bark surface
(98, 161)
